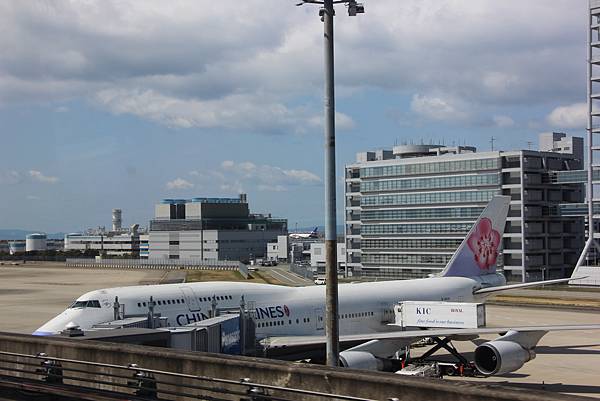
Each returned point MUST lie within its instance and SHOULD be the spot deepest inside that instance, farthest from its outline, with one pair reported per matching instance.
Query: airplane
(312, 234)
(291, 320)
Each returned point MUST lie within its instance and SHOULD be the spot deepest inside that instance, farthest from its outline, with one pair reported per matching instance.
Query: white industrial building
(15, 247)
(115, 244)
(278, 250)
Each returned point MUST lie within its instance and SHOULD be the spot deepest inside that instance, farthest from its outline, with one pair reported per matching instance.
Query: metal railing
(148, 383)
(162, 264)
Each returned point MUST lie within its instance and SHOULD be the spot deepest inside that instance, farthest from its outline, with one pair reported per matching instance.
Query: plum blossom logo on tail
(484, 242)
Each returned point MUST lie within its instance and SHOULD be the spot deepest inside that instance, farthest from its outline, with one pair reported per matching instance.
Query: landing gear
(461, 366)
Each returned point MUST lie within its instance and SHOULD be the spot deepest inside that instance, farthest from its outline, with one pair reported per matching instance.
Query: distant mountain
(15, 234)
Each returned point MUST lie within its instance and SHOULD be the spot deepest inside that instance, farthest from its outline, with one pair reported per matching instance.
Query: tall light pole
(332, 330)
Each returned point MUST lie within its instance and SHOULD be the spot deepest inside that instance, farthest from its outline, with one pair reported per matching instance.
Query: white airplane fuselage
(280, 311)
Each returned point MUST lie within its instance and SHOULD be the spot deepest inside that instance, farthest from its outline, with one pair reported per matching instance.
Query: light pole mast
(332, 331)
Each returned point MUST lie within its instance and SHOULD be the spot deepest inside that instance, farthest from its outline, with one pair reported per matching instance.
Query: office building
(211, 229)
(408, 209)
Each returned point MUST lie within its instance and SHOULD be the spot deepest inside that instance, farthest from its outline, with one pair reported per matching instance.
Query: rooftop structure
(212, 229)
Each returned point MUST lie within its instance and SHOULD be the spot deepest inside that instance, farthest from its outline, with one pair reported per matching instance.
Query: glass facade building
(407, 210)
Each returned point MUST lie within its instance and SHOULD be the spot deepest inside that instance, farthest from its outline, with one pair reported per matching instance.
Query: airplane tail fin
(477, 254)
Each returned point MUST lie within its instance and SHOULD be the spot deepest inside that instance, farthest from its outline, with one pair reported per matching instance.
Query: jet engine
(360, 360)
(507, 353)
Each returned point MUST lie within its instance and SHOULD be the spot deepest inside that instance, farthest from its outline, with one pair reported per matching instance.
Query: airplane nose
(56, 325)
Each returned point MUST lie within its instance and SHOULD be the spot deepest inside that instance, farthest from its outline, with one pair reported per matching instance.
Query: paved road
(283, 274)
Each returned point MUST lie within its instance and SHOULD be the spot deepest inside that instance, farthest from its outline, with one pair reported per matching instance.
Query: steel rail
(244, 382)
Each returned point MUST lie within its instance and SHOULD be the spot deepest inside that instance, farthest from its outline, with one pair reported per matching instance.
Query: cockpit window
(86, 304)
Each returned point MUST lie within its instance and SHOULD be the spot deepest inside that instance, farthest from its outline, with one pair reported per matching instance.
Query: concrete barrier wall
(371, 385)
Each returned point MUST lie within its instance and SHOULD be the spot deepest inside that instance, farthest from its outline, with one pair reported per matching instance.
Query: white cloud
(500, 83)
(38, 176)
(436, 108)
(235, 187)
(10, 177)
(342, 121)
(302, 176)
(503, 121)
(234, 176)
(494, 56)
(254, 112)
(179, 183)
(270, 176)
(571, 116)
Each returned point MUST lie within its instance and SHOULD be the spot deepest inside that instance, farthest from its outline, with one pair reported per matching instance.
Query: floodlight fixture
(355, 8)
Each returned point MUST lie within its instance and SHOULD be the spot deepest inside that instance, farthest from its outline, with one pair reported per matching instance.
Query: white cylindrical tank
(116, 220)
(35, 242)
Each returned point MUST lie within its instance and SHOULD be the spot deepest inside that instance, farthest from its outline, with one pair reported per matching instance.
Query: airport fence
(161, 264)
(304, 271)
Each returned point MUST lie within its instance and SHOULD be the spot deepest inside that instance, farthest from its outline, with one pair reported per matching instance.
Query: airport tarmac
(566, 361)
(32, 294)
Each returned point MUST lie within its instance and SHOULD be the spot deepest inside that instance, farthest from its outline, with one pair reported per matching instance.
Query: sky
(118, 104)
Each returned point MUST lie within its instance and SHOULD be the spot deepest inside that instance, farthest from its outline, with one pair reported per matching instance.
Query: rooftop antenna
(529, 143)
(492, 139)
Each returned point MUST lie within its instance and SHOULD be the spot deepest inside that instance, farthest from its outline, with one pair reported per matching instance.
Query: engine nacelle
(360, 360)
(501, 356)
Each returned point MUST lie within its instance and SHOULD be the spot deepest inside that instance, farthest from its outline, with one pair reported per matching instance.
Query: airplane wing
(291, 344)
(525, 285)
